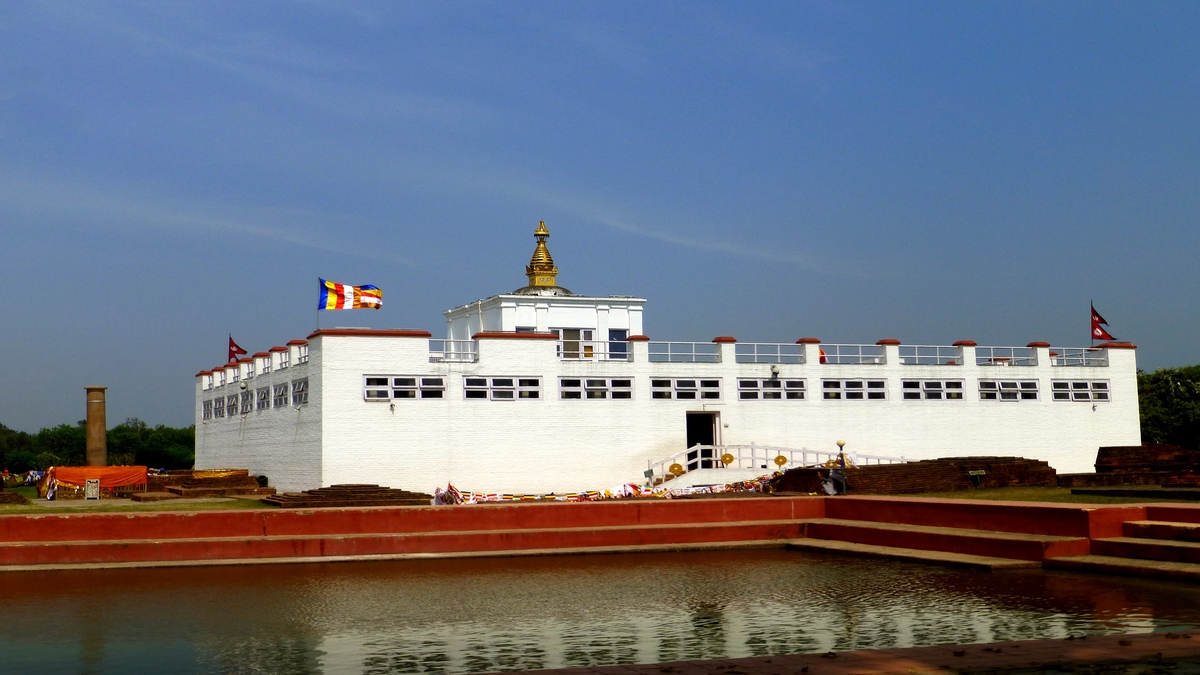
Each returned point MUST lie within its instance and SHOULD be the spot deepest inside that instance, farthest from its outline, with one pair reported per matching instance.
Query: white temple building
(542, 390)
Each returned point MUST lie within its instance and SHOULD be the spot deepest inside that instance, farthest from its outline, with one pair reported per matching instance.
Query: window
(1080, 390)
(618, 348)
(302, 354)
(595, 388)
(220, 378)
(943, 390)
(218, 406)
(208, 410)
(854, 390)
(280, 396)
(284, 359)
(688, 389)
(502, 388)
(231, 405)
(770, 389)
(250, 369)
(392, 387)
(208, 382)
(1008, 390)
(300, 391)
(266, 365)
(247, 401)
(237, 374)
(575, 343)
(262, 398)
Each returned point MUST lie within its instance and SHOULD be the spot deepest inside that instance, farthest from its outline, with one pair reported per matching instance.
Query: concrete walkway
(1176, 653)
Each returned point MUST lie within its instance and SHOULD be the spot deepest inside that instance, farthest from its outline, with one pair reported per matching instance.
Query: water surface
(478, 615)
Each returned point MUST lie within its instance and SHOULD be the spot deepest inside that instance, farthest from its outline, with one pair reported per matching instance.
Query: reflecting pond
(477, 615)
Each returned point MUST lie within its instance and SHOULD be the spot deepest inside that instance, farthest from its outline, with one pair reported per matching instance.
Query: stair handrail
(752, 456)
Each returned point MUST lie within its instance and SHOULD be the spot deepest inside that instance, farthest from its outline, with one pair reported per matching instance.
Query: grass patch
(1034, 494)
(126, 506)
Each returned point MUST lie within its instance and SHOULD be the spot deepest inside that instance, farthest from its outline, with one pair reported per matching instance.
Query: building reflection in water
(464, 616)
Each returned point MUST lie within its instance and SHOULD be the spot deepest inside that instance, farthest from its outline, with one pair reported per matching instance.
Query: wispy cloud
(317, 75)
(717, 246)
(664, 229)
(42, 200)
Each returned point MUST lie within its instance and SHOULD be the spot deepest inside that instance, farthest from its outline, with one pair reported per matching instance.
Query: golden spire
(541, 270)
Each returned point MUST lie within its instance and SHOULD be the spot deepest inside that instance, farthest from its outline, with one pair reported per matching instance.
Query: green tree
(63, 445)
(170, 448)
(1169, 399)
(131, 442)
(126, 442)
(16, 450)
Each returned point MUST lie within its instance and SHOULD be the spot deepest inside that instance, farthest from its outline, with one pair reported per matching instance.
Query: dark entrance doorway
(701, 430)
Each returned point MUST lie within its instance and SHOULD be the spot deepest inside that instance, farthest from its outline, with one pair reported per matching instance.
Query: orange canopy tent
(110, 476)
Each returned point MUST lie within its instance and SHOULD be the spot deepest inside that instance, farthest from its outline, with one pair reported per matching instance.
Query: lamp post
(842, 463)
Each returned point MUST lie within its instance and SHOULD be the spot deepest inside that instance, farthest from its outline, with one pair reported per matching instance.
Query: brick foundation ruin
(933, 475)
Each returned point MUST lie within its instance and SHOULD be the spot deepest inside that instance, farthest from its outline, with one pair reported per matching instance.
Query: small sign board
(91, 489)
(648, 473)
(977, 472)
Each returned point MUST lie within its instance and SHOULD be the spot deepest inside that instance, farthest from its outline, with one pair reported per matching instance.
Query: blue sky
(171, 173)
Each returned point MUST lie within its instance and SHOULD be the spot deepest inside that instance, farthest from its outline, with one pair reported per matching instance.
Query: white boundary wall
(549, 444)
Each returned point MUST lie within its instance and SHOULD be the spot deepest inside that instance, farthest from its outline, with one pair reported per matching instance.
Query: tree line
(1169, 399)
(133, 442)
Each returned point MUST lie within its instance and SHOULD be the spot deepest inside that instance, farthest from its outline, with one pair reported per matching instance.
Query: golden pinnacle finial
(541, 270)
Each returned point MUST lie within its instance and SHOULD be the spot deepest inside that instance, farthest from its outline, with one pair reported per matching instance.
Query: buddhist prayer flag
(342, 296)
(234, 350)
(1098, 333)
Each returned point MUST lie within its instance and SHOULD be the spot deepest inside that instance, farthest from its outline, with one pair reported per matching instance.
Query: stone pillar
(97, 427)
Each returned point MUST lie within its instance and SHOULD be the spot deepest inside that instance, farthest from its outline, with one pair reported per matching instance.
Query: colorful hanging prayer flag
(343, 296)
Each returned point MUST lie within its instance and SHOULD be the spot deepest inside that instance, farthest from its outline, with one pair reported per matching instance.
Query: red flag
(234, 350)
(1099, 333)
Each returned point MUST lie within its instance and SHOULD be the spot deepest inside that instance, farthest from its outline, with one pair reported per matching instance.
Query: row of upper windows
(395, 387)
(953, 390)
(263, 365)
(276, 396)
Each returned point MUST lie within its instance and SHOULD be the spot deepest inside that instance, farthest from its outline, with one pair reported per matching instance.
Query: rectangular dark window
(855, 390)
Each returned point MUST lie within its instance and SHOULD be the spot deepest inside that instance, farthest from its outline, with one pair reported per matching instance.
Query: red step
(1148, 549)
(989, 543)
(549, 540)
(1175, 514)
(1064, 520)
(1157, 529)
(398, 519)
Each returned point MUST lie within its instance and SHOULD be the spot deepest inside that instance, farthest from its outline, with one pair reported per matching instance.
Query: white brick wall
(567, 445)
(283, 444)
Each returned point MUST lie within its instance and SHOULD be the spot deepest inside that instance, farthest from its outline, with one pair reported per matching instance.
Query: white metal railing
(1078, 356)
(853, 354)
(594, 350)
(684, 352)
(1005, 356)
(754, 456)
(926, 355)
(453, 350)
(768, 352)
